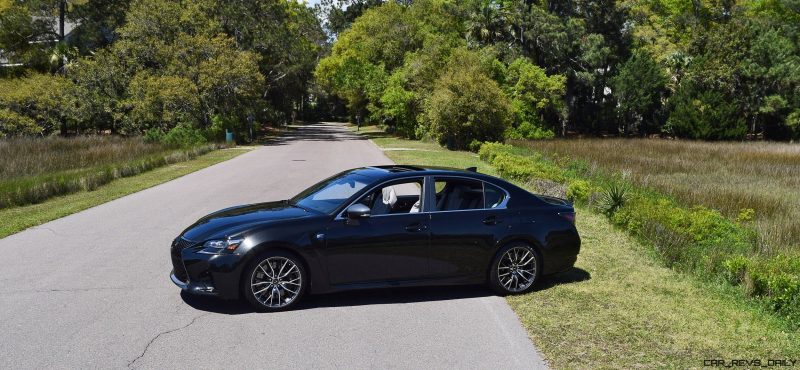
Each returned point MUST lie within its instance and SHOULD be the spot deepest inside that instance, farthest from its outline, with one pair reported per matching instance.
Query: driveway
(92, 290)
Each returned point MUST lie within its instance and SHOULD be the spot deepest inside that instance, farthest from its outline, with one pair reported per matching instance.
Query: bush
(777, 280)
(612, 199)
(578, 190)
(529, 131)
(466, 105)
(489, 150)
(184, 136)
(518, 166)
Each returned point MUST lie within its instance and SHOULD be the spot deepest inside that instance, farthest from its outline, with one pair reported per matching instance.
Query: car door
(390, 245)
(467, 215)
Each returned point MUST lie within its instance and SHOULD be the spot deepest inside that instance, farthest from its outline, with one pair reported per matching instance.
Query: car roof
(400, 171)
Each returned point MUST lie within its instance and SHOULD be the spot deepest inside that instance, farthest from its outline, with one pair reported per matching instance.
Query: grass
(19, 218)
(33, 170)
(729, 177)
(621, 308)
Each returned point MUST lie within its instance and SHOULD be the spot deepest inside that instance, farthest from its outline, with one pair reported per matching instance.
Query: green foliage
(184, 136)
(528, 131)
(161, 102)
(746, 215)
(777, 280)
(578, 190)
(519, 167)
(639, 88)
(38, 98)
(612, 198)
(466, 105)
(703, 113)
(13, 124)
(534, 95)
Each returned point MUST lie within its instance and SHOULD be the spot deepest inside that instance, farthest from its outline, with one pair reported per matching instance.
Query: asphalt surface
(92, 290)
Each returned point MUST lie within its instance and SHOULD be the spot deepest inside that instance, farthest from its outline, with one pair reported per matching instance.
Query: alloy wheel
(276, 282)
(516, 270)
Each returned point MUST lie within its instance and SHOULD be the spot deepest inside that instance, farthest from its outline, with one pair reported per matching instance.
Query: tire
(274, 281)
(515, 269)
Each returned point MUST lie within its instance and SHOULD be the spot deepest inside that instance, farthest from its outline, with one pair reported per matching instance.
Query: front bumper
(205, 274)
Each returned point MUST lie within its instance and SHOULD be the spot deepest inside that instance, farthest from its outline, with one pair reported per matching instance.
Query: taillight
(569, 216)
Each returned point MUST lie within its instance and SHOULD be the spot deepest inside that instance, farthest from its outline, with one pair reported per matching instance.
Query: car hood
(230, 221)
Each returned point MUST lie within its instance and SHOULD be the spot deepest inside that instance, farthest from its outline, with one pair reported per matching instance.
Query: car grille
(177, 263)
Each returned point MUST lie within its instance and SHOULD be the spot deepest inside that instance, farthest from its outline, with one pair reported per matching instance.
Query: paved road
(91, 290)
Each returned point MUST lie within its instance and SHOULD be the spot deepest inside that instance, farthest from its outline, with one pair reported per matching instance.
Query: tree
(466, 105)
(700, 112)
(38, 98)
(534, 95)
(639, 88)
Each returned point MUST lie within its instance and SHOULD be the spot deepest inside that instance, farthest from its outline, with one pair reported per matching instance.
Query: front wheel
(515, 269)
(274, 281)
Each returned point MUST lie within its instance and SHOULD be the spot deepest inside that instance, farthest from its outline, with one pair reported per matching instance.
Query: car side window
(494, 196)
(395, 198)
(458, 194)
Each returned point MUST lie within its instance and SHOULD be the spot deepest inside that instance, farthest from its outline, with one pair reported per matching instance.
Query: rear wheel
(515, 269)
(274, 281)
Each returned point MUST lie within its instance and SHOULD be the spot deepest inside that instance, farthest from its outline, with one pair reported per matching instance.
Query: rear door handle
(491, 220)
(416, 227)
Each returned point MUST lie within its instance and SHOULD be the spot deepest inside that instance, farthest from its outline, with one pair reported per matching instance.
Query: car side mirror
(357, 211)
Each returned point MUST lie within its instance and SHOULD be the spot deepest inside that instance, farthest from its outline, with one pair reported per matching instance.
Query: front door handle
(491, 220)
(416, 227)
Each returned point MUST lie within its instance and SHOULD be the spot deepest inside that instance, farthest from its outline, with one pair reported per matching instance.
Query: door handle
(491, 220)
(416, 227)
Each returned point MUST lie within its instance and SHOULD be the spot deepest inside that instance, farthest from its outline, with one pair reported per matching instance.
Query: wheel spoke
(265, 271)
(262, 290)
(294, 267)
(526, 259)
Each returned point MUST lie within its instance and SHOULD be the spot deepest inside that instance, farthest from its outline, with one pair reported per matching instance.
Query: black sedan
(382, 226)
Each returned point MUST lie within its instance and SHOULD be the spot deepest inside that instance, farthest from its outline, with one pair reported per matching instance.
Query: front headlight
(221, 246)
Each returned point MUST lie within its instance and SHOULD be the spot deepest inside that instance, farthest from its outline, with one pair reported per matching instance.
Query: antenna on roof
(472, 169)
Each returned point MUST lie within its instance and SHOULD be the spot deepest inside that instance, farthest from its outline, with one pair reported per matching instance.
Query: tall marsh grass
(729, 177)
(33, 170)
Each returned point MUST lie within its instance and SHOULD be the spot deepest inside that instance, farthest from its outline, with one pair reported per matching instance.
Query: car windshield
(329, 194)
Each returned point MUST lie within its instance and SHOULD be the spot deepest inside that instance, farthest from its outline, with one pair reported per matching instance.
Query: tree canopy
(701, 69)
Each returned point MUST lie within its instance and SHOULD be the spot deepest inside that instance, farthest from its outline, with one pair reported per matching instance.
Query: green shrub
(474, 146)
(777, 280)
(529, 131)
(735, 268)
(612, 199)
(746, 215)
(578, 190)
(184, 136)
(466, 105)
(489, 150)
(154, 135)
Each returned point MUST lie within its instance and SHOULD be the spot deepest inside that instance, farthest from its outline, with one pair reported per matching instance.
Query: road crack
(147, 347)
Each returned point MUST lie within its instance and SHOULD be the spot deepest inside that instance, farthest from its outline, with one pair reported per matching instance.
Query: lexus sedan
(372, 227)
